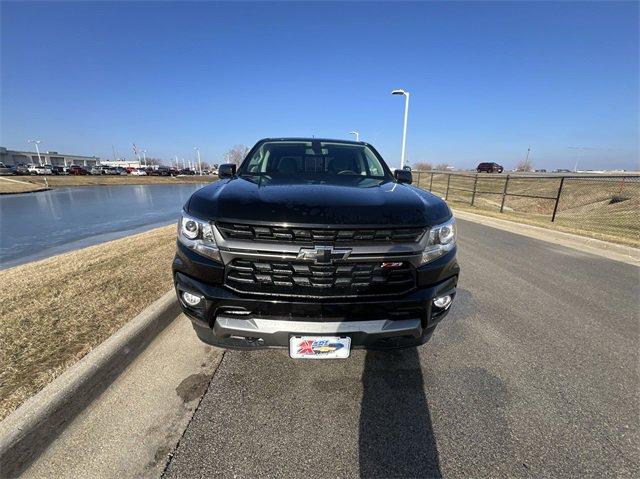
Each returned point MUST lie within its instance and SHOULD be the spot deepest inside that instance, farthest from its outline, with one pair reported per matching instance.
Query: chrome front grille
(297, 278)
(319, 235)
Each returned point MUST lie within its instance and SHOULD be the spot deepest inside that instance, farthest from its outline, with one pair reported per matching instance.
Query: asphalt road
(534, 373)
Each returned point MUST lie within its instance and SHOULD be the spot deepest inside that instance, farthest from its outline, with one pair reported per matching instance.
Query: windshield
(314, 159)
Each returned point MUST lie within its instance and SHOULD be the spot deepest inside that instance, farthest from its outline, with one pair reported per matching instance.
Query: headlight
(197, 235)
(441, 239)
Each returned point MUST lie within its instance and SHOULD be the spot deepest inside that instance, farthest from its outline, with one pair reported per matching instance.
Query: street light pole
(406, 116)
(144, 157)
(199, 164)
(354, 132)
(37, 142)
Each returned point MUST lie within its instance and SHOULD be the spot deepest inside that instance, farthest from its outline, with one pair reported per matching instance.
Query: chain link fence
(602, 206)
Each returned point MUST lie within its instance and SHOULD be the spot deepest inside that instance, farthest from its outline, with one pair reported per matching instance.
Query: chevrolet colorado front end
(316, 246)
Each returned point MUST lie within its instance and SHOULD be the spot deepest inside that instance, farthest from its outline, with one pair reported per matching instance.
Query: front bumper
(229, 320)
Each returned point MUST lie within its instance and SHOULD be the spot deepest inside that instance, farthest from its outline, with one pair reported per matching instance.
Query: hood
(354, 202)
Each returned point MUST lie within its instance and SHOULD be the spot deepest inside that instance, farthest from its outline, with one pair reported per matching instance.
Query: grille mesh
(315, 236)
(296, 278)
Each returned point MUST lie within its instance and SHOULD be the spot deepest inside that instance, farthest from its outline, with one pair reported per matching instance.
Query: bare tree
(423, 166)
(236, 154)
(443, 167)
(524, 165)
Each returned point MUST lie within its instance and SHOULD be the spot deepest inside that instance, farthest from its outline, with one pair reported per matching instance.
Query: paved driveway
(534, 373)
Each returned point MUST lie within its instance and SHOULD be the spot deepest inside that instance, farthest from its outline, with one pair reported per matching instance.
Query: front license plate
(319, 347)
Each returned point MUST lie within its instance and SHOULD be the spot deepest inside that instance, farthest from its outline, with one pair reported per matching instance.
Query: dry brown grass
(56, 310)
(586, 205)
(38, 182)
(543, 221)
(9, 185)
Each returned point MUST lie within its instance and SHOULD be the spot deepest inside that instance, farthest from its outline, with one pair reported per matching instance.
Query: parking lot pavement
(534, 373)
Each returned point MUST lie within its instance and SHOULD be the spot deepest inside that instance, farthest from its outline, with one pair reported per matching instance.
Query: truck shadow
(396, 437)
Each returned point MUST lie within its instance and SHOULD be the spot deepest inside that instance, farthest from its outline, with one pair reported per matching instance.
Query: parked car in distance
(187, 171)
(160, 171)
(119, 170)
(77, 170)
(490, 168)
(21, 170)
(6, 171)
(315, 246)
(55, 170)
(39, 170)
(138, 172)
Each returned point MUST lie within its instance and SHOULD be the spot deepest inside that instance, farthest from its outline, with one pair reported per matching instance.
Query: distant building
(15, 157)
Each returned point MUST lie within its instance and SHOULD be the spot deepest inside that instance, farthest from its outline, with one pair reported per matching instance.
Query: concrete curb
(626, 254)
(26, 432)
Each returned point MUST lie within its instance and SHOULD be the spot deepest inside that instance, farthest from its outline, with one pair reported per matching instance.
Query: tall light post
(37, 142)
(354, 132)
(406, 115)
(199, 164)
(144, 157)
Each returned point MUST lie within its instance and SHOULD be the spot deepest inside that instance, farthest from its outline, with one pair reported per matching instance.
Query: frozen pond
(37, 225)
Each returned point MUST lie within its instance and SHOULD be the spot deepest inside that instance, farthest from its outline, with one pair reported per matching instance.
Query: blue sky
(486, 79)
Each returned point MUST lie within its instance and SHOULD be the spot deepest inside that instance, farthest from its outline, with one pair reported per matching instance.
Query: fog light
(191, 299)
(442, 302)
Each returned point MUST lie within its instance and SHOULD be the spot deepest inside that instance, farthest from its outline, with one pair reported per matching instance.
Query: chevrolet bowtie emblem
(323, 254)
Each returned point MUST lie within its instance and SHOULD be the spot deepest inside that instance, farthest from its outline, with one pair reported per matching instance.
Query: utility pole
(526, 158)
(37, 142)
(199, 163)
(144, 156)
(404, 128)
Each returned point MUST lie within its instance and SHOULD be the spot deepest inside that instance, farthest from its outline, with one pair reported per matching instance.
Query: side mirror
(227, 170)
(403, 176)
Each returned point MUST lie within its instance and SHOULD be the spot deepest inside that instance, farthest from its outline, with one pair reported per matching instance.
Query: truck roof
(328, 140)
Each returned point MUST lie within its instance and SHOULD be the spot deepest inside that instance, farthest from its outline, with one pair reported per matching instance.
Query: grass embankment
(38, 182)
(56, 310)
(10, 186)
(596, 207)
(543, 222)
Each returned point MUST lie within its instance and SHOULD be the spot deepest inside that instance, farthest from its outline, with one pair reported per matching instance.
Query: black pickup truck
(316, 246)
